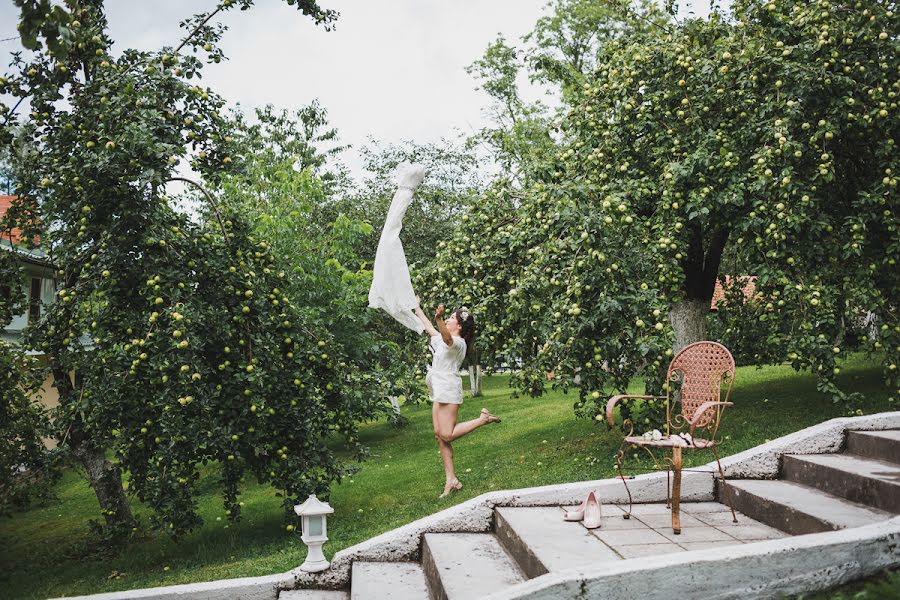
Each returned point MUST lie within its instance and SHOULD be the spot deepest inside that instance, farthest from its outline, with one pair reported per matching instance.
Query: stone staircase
(816, 493)
(827, 492)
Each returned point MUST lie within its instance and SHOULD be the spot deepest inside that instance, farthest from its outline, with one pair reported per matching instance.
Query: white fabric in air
(391, 288)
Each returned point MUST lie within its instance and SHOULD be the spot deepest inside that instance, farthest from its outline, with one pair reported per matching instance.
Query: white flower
(657, 435)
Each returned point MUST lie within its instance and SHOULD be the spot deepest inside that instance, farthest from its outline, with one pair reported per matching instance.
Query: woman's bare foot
(450, 487)
(488, 417)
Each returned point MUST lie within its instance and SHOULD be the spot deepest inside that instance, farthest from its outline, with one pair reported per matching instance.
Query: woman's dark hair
(467, 328)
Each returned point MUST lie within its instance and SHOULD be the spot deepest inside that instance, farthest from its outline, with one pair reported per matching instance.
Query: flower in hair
(463, 313)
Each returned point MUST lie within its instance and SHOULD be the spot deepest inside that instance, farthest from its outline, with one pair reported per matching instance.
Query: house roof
(34, 256)
(9, 241)
(748, 283)
(13, 235)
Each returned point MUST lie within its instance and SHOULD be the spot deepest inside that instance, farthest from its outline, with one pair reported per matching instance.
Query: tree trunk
(474, 361)
(395, 405)
(475, 379)
(104, 476)
(701, 268)
(106, 479)
(688, 320)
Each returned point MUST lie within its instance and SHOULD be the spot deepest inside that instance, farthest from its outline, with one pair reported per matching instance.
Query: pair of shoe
(450, 487)
(588, 512)
(486, 414)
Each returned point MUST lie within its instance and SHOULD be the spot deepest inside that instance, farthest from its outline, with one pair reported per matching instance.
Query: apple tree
(765, 138)
(557, 54)
(280, 186)
(185, 346)
(303, 139)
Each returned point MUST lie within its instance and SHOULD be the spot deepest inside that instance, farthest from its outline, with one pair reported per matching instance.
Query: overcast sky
(391, 69)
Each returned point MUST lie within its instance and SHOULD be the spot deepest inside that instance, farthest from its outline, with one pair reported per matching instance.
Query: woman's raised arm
(429, 328)
(442, 327)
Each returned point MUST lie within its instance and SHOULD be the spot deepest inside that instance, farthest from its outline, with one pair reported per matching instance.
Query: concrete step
(394, 580)
(882, 445)
(798, 509)
(463, 566)
(313, 595)
(541, 542)
(875, 483)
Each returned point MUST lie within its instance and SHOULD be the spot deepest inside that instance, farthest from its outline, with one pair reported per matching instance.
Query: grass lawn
(885, 586)
(539, 442)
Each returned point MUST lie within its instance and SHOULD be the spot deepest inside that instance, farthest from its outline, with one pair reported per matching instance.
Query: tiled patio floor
(703, 525)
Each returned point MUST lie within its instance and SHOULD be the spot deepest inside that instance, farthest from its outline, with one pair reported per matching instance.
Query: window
(34, 300)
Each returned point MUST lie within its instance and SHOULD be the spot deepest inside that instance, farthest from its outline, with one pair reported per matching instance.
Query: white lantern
(314, 532)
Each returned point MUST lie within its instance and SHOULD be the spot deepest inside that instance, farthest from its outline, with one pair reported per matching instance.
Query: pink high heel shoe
(578, 513)
(593, 512)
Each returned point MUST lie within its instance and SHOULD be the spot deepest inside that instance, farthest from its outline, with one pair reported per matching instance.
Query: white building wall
(48, 296)
(19, 322)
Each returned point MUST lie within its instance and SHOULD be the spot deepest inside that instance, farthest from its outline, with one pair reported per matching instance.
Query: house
(748, 284)
(39, 284)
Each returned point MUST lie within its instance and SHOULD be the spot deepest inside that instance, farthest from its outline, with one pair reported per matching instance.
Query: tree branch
(12, 111)
(209, 197)
(196, 29)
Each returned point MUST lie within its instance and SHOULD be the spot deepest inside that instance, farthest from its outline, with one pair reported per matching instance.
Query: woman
(449, 344)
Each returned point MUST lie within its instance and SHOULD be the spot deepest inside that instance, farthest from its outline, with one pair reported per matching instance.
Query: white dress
(443, 380)
(391, 287)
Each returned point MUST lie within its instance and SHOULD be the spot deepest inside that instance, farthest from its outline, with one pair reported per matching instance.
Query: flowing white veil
(391, 285)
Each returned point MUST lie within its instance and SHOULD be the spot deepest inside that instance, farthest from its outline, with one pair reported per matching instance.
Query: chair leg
(620, 457)
(676, 490)
(725, 490)
(668, 489)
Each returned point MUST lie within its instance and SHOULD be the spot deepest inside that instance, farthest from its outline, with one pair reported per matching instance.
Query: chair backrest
(701, 368)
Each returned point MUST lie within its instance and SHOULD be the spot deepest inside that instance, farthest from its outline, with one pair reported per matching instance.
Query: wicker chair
(694, 405)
